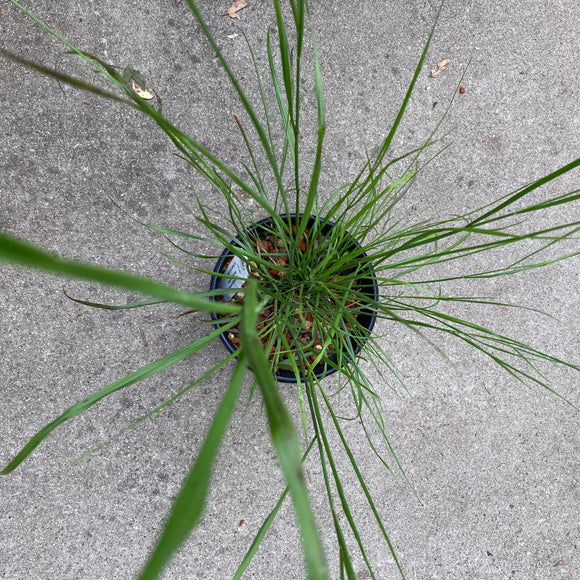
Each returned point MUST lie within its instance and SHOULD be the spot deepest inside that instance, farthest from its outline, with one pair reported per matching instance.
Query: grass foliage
(314, 275)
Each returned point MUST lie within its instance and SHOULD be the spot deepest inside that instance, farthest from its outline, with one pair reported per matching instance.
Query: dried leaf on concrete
(441, 66)
(143, 93)
(236, 6)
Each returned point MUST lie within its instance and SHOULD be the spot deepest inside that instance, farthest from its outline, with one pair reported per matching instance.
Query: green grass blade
(360, 479)
(192, 151)
(345, 560)
(525, 191)
(63, 78)
(291, 89)
(154, 411)
(298, 11)
(284, 114)
(489, 343)
(260, 87)
(188, 507)
(130, 379)
(262, 134)
(388, 139)
(266, 526)
(313, 188)
(284, 438)
(17, 252)
(100, 65)
(321, 432)
(139, 304)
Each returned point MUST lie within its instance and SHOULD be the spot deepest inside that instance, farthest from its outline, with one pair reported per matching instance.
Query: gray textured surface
(495, 463)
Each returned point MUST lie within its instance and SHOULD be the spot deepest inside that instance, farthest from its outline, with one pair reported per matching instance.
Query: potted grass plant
(296, 290)
(321, 290)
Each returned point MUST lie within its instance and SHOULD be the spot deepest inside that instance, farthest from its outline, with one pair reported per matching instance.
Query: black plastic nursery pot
(366, 284)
